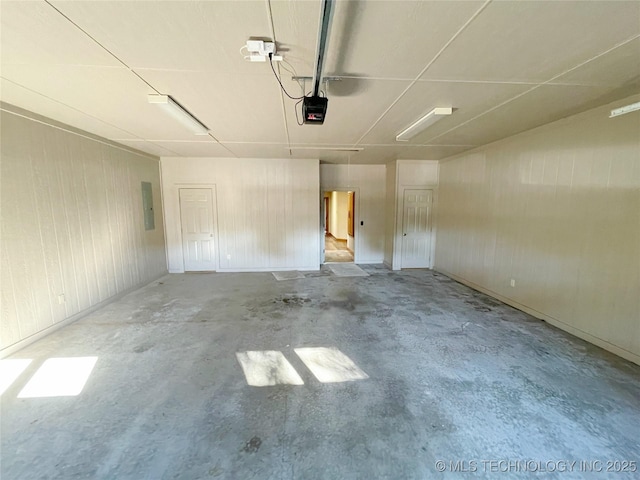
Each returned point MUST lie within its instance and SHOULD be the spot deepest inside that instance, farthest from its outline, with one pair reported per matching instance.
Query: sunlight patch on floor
(268, 367)
(59, 377)
(330, 365)
(10, 370)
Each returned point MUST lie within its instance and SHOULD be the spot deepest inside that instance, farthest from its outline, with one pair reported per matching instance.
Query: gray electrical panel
(147, 206)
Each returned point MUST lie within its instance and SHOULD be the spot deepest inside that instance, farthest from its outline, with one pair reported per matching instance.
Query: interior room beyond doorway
(339, 226)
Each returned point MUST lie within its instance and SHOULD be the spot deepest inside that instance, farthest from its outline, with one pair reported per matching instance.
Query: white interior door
(416, 229)
(198, 239)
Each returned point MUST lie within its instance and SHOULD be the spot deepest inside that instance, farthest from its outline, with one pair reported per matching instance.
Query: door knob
(404, 234)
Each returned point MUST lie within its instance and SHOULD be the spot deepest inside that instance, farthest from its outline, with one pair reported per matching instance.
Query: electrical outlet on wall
(228, 256)
(61, 299)
(512, 282)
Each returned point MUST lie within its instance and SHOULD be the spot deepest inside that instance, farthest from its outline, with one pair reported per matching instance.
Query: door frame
(214, 207)
(326, 206)
(356, 219)
(397, 257)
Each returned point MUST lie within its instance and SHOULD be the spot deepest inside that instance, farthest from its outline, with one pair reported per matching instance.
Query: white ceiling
(504, 66)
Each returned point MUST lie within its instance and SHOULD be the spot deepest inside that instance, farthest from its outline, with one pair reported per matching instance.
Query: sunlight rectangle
(330, 365)
(10, 370)
(59, 377)
(268, 367)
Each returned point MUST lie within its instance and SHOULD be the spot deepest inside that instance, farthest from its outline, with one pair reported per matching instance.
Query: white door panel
(198, 239)
(416, 229)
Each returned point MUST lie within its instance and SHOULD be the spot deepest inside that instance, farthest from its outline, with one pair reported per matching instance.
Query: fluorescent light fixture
(421, 124)
(332, 149)
(626, 109)
(178, 112)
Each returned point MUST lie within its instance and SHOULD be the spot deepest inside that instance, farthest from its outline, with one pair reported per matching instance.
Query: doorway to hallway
(339, 229)
(335, 250)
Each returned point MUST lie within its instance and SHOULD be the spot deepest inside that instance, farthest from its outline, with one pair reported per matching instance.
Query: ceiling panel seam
(221, 144)
(152, 142)
(447, 80)
(161, 147)
(546, 83)
(395, 145)
(434, 80)
(499, 82)
(437, 55)
(282, 99)
(226, 148)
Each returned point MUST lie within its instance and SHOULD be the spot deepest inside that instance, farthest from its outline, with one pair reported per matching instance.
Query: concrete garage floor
(453, 375)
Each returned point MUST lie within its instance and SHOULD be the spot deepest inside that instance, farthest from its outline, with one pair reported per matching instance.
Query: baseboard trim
(11, 349)
(610, 347)
(270, 269)
(252, 270)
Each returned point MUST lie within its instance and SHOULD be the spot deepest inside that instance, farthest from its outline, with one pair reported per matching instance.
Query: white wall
(407, 174)
(338, 214)
(368, 183)
(556, 209)
(72, 224)
(267, 211)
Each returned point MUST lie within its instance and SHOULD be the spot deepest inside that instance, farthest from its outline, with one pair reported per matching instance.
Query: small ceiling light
(421, 124)
(178, 112)
(626, 109)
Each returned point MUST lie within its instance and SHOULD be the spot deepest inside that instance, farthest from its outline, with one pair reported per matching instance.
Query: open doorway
(339, 238)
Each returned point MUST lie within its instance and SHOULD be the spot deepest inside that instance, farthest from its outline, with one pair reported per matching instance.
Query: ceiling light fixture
(333, 149)
(421, 124)
(626, 109)
(178, 112)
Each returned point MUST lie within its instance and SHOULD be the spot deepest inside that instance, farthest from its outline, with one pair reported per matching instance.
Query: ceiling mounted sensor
(422, 123)
(177, 111)
(261, 51)
(626, 109)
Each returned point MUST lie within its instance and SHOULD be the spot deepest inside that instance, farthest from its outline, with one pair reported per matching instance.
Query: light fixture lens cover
(423, 122)
(333, 149)
(626, 109)
(178, 112)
